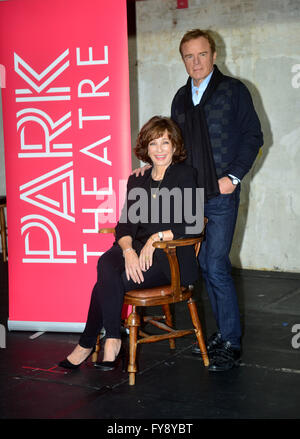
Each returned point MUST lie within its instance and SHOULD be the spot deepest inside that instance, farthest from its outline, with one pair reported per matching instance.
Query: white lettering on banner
(50, 130)
(54, 252)
(53, 191)
(87, 150)
(108, 200)
(96, 212)
(82, 118)
(62, 178)
(92, 61)
(96, 191)
(93, 87)
(103, 159)
(32, 78)
(86, 253)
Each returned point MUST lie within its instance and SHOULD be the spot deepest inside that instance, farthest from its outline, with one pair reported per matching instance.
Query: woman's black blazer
(176, 176)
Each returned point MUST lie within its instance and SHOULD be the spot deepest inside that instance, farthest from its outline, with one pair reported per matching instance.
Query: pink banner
(67, 151)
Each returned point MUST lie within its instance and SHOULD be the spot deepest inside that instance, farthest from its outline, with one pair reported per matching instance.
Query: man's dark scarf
(196, 137)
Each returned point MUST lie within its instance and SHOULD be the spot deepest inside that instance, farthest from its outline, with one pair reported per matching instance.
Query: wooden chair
(3, 227)
(164, 296)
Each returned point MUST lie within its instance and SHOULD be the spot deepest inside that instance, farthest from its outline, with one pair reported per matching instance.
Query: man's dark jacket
(233, 126)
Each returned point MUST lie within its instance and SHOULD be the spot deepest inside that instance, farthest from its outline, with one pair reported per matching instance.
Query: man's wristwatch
(161, 236)
(233, 179)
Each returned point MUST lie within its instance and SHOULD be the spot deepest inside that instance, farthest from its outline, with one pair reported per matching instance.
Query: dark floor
(169, 385)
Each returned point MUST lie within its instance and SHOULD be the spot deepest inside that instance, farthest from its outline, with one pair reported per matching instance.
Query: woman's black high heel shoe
(66, 364)
(111, 365)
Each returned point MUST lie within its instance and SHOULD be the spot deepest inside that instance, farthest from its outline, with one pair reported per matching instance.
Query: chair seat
(160, 291)
(2, 200)
(156, 296)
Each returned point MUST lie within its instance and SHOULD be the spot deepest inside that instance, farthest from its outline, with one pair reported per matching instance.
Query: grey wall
(259, 43)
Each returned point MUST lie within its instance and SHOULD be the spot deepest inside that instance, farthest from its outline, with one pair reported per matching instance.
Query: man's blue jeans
(215, 264)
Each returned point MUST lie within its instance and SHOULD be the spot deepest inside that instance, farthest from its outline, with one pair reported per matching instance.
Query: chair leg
(169, 322)
(3, 234)
(97, 350)
(133, 323)
(198, 329)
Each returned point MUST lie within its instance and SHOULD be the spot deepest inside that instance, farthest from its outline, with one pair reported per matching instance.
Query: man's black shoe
(213, 342)
(225, 357)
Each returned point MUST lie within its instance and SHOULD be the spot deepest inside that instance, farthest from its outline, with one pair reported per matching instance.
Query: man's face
(198, 59)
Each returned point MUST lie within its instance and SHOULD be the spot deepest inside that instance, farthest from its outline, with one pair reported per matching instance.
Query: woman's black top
(173, 207)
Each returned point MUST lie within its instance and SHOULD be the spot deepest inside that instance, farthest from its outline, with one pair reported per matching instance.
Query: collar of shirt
(197, 92)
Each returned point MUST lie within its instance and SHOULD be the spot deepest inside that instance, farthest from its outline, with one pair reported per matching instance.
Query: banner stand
(66, 123)
(14, 325)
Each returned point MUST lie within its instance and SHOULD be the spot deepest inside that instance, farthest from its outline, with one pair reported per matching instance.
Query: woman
(133, 262)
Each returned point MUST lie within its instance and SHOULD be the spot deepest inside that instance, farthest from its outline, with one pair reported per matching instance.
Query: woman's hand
(146, 255)
(132, 267)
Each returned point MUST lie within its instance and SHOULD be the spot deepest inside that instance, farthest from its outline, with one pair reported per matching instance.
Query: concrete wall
(259, 43)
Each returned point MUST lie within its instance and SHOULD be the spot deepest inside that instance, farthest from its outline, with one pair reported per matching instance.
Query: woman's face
(161, 150)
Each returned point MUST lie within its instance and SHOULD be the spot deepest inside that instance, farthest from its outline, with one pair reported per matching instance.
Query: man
(222, 135)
